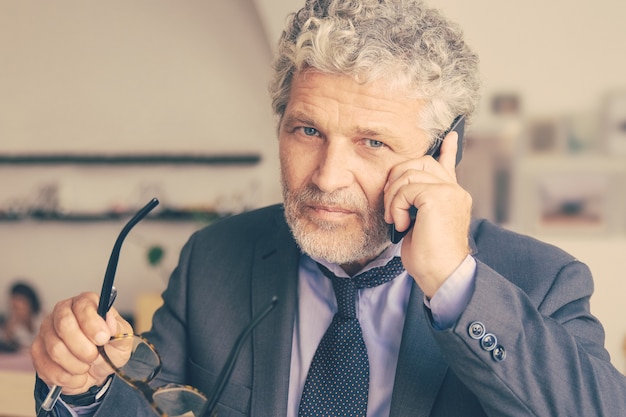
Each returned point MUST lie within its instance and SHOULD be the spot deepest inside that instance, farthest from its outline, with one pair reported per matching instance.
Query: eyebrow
(376, 132)
(299, 117)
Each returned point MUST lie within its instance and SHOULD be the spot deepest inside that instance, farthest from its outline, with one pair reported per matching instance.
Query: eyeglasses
(135, 360)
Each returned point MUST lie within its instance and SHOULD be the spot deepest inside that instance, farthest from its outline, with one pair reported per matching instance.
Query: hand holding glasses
(107, 295)
(137, 362)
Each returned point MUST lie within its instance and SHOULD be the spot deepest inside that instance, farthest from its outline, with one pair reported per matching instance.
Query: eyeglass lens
(132, 357)
(179, 401)
(137, 363)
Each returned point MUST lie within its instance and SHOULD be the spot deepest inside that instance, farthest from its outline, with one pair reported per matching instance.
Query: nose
(333, 171)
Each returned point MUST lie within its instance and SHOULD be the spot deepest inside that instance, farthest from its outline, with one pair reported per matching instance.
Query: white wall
(141, 75)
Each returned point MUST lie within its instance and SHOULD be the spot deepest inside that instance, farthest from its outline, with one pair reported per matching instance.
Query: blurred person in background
(23, 318)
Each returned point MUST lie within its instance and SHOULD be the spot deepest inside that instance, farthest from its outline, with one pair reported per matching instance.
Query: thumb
(117, 324)
(448, 153)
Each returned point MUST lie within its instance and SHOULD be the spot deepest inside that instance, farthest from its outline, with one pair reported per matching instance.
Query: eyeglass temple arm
(109, 275)
(232, 358)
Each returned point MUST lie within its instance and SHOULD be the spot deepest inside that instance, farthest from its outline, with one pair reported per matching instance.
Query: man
(480, 321)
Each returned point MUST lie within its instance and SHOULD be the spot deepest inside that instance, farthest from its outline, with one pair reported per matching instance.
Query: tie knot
(379, 275)
(345, 288)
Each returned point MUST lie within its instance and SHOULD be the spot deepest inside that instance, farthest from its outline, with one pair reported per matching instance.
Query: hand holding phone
(458, 126)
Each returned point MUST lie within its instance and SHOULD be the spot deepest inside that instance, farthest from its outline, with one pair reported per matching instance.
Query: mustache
(338, 198)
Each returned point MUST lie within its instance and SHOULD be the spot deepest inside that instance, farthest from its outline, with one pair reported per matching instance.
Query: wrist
(91, 396)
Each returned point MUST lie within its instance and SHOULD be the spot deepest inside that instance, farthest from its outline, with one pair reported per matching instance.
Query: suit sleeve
(533, 351)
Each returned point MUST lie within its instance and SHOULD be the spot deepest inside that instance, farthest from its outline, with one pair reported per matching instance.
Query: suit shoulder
(494, 243)
(247, 225)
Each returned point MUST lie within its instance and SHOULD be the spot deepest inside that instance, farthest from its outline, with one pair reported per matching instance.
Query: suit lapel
(421, 366)
(275, 272)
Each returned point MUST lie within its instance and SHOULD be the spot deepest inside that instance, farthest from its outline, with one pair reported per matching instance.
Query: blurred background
(104, 105)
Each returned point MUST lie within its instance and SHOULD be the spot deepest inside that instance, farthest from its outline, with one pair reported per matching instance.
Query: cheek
(20, 308)
(296, 165)
(374, 193)
(372, 180)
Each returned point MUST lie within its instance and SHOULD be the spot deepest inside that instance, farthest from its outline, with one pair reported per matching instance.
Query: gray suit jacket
(532, 297)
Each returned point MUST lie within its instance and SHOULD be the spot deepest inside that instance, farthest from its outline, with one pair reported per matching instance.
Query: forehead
(19, 298)
(339, 101)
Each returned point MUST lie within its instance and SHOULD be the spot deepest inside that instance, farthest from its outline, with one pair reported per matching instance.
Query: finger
(447, 158)
(100, 370)
(72, 374)
(415, 195)
(116, 323)
(57, 347)
(406, 184)
(413, 167)
(73, 320)
(92, 326)
(119, 350)
(51, 372)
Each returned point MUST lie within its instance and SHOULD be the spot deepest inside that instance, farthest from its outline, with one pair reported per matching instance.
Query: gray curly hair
(400, 42)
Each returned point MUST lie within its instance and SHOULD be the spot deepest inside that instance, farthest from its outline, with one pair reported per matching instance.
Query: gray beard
(328, 240)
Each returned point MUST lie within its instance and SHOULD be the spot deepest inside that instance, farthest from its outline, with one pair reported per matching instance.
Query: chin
(337, 243)
(353, 239)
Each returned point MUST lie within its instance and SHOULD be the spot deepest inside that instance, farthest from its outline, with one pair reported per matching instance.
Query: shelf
(130, 159)
(163, 215)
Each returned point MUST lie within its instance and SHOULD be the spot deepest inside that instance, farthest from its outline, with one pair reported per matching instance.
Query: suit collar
(474, 226)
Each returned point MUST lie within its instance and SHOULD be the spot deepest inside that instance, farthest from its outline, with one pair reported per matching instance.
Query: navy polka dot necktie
(338, 380)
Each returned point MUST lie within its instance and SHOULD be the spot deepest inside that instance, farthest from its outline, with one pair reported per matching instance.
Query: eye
(310, 131)
(373, 143)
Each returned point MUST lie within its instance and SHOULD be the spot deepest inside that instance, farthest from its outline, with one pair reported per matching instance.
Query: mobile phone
(458, 126)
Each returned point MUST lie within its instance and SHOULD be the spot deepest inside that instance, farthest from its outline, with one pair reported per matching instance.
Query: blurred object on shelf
(615, 123)
(86, 187)
(545, 136)
(485, 173)
(574, 201)
(582, 131)
(580, 195)
(506, 104)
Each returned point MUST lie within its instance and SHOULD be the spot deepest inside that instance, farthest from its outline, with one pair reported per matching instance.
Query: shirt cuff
(65, 410)
(451, 299)
(84, 410)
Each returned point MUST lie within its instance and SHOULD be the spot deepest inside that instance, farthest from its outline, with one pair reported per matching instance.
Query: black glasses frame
(109, 276)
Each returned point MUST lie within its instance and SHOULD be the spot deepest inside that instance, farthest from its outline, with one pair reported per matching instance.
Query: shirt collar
(392, 251)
